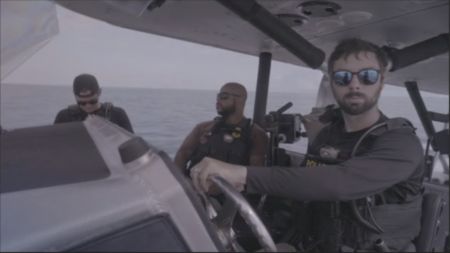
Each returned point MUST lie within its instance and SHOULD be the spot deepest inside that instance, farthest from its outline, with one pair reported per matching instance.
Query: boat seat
(432, 207)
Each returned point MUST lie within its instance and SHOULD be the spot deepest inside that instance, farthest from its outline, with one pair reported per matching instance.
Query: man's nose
(354, 83)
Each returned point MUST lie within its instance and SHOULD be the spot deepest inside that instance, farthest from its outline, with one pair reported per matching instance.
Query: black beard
(357, 109)
(226, 112)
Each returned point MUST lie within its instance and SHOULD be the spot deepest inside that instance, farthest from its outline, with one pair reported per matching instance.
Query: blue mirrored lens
(342, 78)
(365, 76)
(368, 76)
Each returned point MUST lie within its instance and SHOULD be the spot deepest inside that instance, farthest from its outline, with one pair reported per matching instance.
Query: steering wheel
(223, 217)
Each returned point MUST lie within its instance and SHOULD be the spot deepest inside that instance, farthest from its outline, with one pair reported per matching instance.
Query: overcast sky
(123, 57)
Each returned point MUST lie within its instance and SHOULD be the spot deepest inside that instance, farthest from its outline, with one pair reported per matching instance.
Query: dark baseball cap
(85, 85)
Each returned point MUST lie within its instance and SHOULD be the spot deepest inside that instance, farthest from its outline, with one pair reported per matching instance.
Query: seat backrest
(432, 207)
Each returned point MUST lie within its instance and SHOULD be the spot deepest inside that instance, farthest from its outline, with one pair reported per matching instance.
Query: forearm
(299, 183)
(325, 183)
(358, 177)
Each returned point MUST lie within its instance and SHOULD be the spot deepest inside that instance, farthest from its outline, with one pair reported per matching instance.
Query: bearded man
(231, 137)
(361, 180)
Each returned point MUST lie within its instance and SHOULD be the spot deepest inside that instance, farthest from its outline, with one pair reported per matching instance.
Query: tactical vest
(227, 143)
(346, 226)
(77, 114)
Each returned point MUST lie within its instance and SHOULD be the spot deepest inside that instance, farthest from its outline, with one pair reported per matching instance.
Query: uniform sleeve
(123, 120)
(394, 157)
(61, 117)
(259, 147)
(188, 146)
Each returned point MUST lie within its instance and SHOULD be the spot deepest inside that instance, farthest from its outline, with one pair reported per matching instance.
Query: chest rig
(365, 223)
(228, 143)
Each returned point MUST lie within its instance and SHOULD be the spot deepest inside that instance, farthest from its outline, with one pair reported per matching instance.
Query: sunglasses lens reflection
(368, 76)
(342, 78)
(365, 76)
(92, 102)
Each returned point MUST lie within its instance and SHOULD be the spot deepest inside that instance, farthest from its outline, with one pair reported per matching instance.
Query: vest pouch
(396, 220)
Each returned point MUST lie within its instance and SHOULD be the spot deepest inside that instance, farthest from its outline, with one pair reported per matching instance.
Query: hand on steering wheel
(223, 217)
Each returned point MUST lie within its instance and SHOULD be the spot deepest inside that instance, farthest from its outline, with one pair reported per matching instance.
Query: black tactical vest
(356, 225)
(228, 143)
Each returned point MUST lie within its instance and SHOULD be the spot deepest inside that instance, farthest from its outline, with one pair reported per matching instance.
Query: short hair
(85, 83)
(355, 46)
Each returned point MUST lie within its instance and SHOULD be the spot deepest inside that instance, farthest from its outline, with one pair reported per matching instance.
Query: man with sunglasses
(231, 137)
(359, 188)
(87, 93)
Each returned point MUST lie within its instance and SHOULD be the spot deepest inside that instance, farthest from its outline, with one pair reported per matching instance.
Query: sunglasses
(226, 95)
(365, 76)
(92, 102)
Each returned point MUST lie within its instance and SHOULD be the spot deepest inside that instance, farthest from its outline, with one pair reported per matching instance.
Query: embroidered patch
(227, 138)
(328, 152)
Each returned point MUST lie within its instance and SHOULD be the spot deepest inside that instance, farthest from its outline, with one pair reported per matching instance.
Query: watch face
(227, 138)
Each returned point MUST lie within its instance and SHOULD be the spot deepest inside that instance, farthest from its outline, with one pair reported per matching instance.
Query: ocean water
(164, 117)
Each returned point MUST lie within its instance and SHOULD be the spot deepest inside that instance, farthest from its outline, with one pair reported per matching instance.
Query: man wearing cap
(87, 93)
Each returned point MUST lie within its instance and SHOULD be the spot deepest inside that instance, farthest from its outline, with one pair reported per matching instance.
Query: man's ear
(99, 92)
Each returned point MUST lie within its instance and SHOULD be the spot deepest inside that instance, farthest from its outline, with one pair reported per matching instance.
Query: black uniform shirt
(116, 115)
(393, 162)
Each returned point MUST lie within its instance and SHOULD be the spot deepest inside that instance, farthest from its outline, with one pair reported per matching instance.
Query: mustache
(354, 94)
